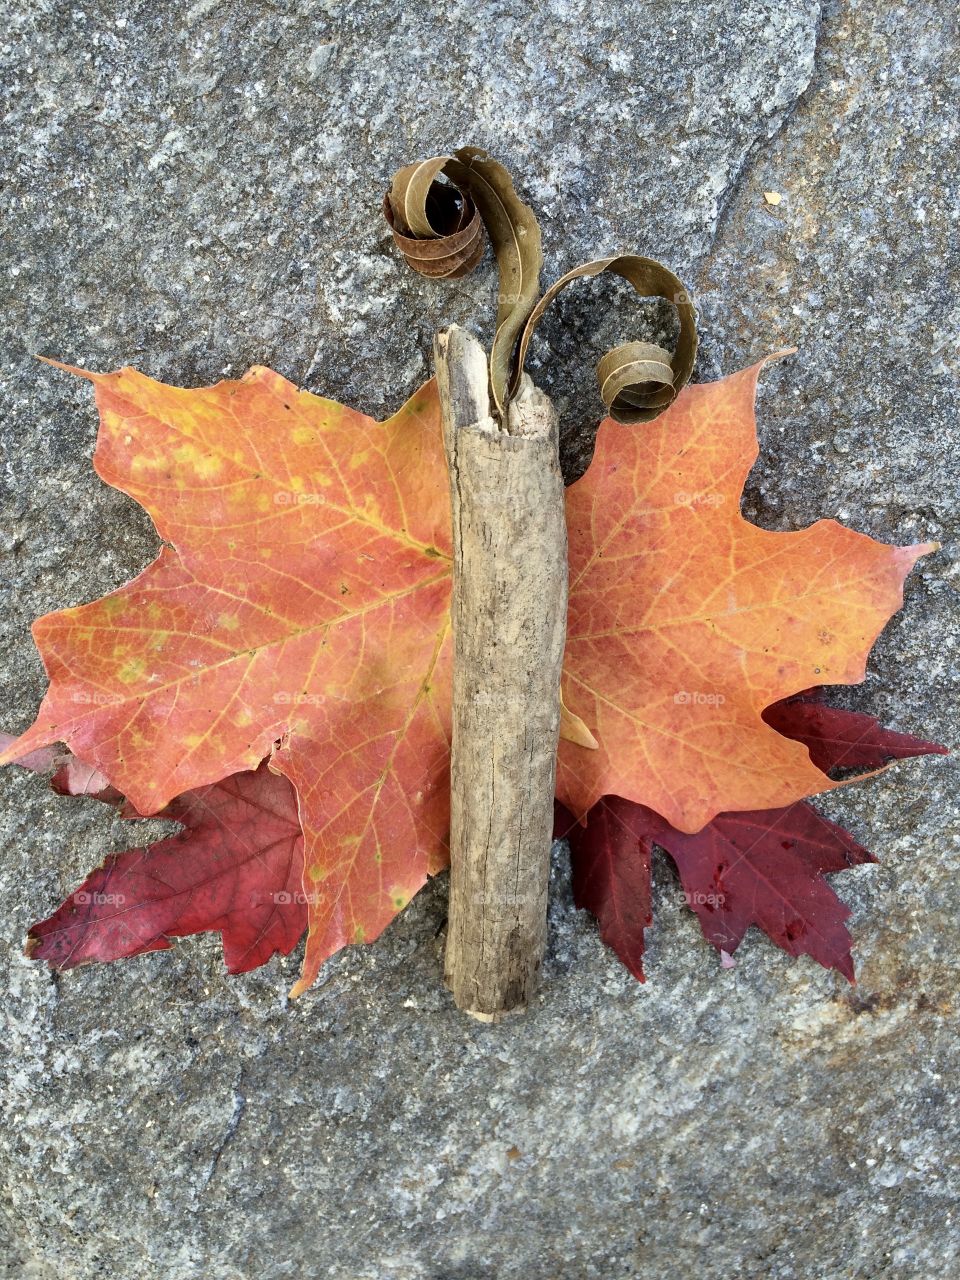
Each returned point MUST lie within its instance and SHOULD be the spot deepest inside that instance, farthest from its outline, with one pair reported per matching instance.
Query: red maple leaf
(763, 867)
(235, 869)
(610, 861)
(841, 739)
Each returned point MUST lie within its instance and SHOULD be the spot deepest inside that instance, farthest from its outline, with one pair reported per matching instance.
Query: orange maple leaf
(302, 614)
(686, 621)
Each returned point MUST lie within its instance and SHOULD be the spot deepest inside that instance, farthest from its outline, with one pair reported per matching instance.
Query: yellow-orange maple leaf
(301, 613)
(686, 621)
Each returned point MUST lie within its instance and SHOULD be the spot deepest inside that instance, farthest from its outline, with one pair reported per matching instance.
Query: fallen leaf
(764, 868)
(439, 234)
(438, 227)
(303, 616)
(610, 863)
(841, 739)
(686, 621)
(236, 869)
(637, 380)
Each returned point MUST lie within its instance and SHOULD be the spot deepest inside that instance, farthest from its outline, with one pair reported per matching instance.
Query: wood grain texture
(509, 619)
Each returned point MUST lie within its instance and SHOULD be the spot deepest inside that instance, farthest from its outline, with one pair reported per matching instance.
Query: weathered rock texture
(195, 190)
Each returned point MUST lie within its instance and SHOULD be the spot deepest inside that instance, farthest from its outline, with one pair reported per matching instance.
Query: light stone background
(196, 189)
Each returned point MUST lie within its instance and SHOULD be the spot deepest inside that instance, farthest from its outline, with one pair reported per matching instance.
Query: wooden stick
(509, 624)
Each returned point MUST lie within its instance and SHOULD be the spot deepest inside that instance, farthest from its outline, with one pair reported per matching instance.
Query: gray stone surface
(196, 189)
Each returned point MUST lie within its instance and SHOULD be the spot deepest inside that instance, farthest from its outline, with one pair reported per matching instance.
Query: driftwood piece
(509, 624)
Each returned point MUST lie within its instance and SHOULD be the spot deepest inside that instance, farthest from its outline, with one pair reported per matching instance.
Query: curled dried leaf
(413, 189)
(515, 236)
(638, 380)
(435, 226)
(438, 227)
(438, 209)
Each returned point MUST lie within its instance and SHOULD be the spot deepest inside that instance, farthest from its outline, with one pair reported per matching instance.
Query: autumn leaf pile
(278, 680)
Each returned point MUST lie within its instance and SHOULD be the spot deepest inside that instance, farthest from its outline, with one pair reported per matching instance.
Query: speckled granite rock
(195, 190)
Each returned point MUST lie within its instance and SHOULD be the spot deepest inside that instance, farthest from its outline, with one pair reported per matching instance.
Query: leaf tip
(302, 984)
(926, 548)
(70, 368)
(573, 729)
(773, 356)
(13, 751)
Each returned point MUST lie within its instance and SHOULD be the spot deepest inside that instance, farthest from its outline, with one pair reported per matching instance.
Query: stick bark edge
(509, 609)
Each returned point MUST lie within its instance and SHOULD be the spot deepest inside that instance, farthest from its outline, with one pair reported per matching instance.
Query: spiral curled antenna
(440, 212)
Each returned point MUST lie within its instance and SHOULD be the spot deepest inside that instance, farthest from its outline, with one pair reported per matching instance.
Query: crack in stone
(748, 160)
(239, 1106)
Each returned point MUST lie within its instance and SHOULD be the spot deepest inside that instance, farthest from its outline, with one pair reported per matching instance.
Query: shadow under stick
(509, 613)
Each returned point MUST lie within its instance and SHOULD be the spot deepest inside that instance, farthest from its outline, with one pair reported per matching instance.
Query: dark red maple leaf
(236, 869)
(611, 874)
(764, 867)
(841, 739)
